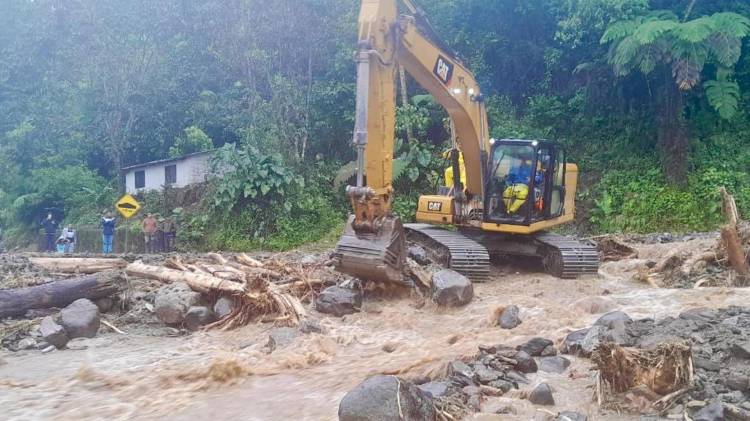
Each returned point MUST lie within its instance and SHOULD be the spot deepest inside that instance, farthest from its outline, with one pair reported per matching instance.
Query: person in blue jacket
(108, 232)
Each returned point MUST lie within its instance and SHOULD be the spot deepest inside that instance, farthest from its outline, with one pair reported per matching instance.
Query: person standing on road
(149, 226)
(70, 236)
(50, 229)
(170, 231)
(108, 232)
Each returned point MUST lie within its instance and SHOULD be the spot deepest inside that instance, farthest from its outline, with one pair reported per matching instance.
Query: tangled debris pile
(17, 271)
(682, 365)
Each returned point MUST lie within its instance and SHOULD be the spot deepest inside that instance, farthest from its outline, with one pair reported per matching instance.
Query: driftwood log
(83, 265)
(16, 302)
(731, 238)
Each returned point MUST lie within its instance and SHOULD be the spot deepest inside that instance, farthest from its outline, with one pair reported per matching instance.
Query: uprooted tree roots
(666, 370)
(272, 291)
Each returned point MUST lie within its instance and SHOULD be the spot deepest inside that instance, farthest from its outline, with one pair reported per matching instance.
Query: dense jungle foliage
(649, 96)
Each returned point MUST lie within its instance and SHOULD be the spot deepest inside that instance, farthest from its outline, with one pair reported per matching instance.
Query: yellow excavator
(503, 195)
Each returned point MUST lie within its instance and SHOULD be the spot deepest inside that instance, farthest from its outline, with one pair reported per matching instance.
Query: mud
(155, 372)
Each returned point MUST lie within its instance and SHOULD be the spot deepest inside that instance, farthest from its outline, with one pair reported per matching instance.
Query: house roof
(166, 161)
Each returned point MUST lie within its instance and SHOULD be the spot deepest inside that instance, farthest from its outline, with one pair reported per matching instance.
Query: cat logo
(434, 206)
(443, 70)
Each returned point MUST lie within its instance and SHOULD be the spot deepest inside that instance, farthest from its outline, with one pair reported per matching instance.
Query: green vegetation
(649, 96)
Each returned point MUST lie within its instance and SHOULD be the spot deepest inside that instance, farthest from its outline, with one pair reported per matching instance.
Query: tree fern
(650, 31)
(724, 97)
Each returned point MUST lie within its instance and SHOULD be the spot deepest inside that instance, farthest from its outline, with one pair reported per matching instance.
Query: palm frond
(724, 96)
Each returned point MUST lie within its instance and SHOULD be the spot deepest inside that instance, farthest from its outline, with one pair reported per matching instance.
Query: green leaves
(724, 97)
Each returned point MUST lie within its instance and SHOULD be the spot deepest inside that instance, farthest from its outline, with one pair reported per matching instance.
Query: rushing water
(227, 375)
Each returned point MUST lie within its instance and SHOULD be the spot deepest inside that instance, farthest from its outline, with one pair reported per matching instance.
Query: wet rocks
(613, 319)
(223, 307)
(451, 289)
(419, 255)
(573, 343)
(105, 304)
(311, 326)
(26, 343)
(460, 371)
(713, 412)
(281, 337)
(386, 398)
(53, 333)
(80, 319)
(338, 301)
(526, 363)
(554, 364)
(535, 346)
(197, 316)
(549, 351)
(173, 301)
(509, 318)
(542, 395)
(435, 389)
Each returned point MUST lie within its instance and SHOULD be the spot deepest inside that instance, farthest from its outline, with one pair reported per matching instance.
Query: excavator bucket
(373, 256)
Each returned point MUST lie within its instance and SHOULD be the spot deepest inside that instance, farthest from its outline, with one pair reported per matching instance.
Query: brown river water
(226, 375)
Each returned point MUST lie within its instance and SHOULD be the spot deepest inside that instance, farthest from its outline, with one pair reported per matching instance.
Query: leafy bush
(194, 140)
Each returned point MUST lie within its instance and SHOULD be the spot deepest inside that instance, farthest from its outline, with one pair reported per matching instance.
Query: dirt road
(228, 374)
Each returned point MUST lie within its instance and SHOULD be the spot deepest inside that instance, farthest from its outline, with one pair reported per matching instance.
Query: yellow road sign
(127, 206)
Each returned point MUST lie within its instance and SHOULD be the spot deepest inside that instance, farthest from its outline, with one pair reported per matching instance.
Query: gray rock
(419, 255)
(542, 395)
(485, 374)
(737, 381)
(554, 364)
(26, 343)
(197, 316)
(535, 346)
(549, 351)
(386, 398)
(173, 301)
(503, 385)
(741, 350)
(507, 410)
(223, 307)
(435, 389)
(526, 363)
(713, 412)
(338, 301)
(462, 372)
(571, 416)
(53, 333)
(281, 338)
(509, 318)
(105, 304)
(516, 377)
(573, 343)
(594, 336)
(80, 319)
(451, 289)
(612, 319)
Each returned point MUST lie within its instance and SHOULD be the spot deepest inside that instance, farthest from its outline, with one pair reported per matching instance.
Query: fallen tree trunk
(730, 237)
(16, 302)
(77, 264)
(198, 281)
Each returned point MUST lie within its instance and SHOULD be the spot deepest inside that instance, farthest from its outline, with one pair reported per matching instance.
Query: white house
(176, 172)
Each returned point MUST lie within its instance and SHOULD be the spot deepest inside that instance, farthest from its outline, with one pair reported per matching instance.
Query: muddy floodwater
(228, 375)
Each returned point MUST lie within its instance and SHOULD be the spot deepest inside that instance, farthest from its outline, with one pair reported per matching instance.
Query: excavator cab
(525, 182)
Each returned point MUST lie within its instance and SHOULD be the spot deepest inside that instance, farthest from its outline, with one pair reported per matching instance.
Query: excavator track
(452, 249)
(566, 257)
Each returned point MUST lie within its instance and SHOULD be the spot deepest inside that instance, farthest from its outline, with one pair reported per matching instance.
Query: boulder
(594, 336)
(553, 364)
(526, 363)
(535, 346)
(311, 326)
(503, 385)
(571, 416)
(53, 333)
(435, 389)
(460, 371)
(613, 319)
(509, 318)
(80, 319)
(338, 301)
(572, 344)
(386, 398)
(451, 289)
(713, 412)
(419, 255)
(223, 307)
(281, 337)
(737, 381)
(542, 395)
(173, 301)
(197, 316)
(741, 350)
(485, 374)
